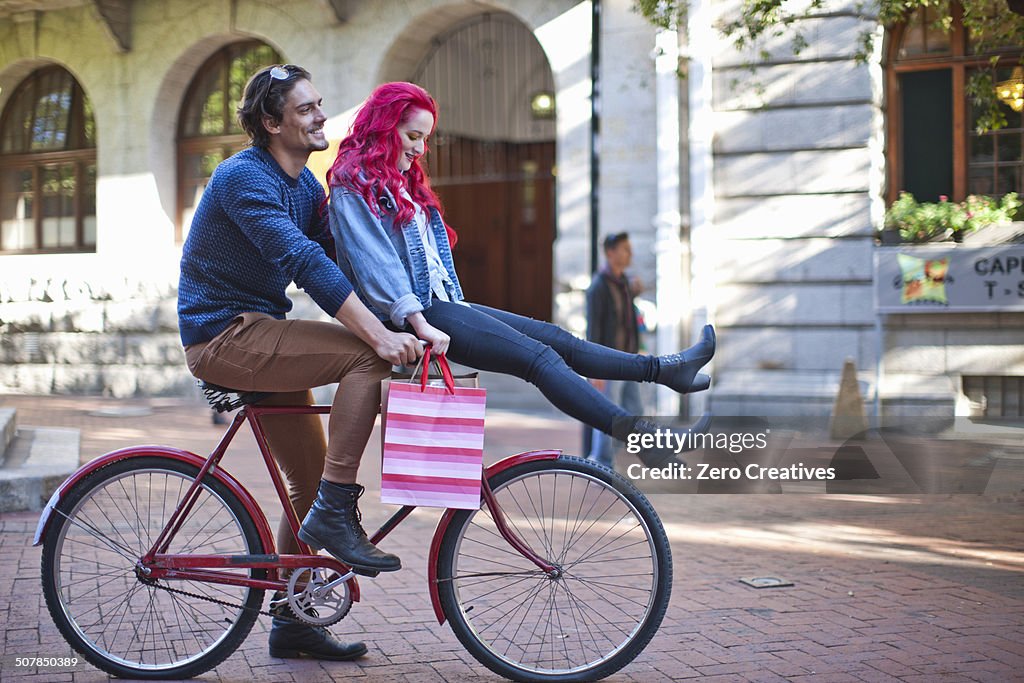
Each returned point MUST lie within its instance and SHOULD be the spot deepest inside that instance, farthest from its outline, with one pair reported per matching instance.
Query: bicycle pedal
(366, 572)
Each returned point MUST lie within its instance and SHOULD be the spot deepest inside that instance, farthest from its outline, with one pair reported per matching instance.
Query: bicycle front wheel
(105, 606)
(611, 590)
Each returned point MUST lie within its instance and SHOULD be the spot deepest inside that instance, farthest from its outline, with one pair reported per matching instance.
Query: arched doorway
(492, 160)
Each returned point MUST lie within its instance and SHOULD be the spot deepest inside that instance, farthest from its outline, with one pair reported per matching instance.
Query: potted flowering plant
(944, 220)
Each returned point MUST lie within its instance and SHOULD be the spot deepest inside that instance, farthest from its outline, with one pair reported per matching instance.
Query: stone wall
(116, 338)
(926, 355)
(798, 177)
(795, 177)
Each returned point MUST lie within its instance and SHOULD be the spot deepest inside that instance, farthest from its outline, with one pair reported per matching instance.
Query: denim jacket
(387, 267)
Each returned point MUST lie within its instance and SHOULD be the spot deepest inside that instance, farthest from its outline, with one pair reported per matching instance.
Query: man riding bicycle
(260, 226)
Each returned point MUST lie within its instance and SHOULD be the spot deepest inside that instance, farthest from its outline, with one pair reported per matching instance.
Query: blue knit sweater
(256, 230)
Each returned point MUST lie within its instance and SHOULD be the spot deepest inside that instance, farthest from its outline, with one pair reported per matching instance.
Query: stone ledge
(782, 384)
(39, 460)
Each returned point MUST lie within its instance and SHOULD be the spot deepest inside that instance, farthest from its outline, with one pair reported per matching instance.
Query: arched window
(208, 130)
(48, 166)
(933, 146)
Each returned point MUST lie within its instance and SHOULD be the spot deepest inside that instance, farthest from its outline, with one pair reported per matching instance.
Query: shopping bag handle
(441, 363)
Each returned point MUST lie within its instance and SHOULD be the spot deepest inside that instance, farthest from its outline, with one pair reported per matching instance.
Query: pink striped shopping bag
(433, 444)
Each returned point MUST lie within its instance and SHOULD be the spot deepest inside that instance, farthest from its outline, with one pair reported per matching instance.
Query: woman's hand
(398, 348)
(437, 339)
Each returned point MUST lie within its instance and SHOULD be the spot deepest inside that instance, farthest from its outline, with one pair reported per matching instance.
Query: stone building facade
(784, 177)
(102, 320)
(800, 171)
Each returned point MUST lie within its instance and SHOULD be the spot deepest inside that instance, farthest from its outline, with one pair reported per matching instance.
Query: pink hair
(367, 160)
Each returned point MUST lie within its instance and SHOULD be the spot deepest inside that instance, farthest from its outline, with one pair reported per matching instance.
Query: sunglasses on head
(280, 72)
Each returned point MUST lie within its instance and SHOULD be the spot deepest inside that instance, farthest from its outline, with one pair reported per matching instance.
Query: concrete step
(37, 460)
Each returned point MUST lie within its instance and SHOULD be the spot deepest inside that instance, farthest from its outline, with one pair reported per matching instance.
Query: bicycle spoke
(580, 618)
(92, 579)
(594, 521)
(491, 561)
(527, 519)
(489, 578)
(561, 631)
(591, 579)
(596, 617)
(124, 552)
(611, 589)
(592, 559)
(589, 552)
(612, 605)
(130, 500)
(125, 609)
(589, 514)
(115, 567)
(502, 548)
(514, 599)
(526, 612)
(523, 606)
(580, 607)
(194, 541)
(533, 633)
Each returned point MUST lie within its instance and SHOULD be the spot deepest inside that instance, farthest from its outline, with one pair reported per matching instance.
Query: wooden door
(499, 197)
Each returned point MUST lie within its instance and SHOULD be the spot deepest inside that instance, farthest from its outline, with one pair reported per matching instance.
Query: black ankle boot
(289, 640)
(333, 524)
(672, 441)
(679, 370)
(701, 382)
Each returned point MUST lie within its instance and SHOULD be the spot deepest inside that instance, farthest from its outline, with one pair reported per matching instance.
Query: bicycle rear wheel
(608, 599)
(122, 622)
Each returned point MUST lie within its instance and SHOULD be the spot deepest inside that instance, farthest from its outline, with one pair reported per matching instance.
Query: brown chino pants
(260, 353)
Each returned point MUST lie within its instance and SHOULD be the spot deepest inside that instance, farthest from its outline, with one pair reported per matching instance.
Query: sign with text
(926, 279)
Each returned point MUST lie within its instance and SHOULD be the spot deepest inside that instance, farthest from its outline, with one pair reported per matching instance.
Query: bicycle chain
(293, 620)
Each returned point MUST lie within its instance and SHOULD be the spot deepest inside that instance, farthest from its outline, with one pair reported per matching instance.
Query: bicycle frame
(158, 564)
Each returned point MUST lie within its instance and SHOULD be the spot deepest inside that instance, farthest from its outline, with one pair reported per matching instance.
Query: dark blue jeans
(544, 355)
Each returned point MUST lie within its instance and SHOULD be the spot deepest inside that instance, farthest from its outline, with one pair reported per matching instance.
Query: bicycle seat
(223, 399)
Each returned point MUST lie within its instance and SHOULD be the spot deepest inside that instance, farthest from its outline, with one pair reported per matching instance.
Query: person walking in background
(611, 322)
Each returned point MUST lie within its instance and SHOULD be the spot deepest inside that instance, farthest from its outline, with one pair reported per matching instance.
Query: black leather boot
(672, 441)
(333, 523)
(289, 640)
(678, 371)
(701, 382)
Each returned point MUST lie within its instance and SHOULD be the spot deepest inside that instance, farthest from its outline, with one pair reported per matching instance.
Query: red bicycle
(155, 562)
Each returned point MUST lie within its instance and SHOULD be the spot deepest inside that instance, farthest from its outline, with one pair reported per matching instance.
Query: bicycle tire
(634, 590)
(126, 626)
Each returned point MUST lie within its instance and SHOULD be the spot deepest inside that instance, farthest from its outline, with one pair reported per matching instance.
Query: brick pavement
(887, 588)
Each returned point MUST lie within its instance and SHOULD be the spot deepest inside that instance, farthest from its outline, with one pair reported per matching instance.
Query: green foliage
(768, 18)
(943, 220)
(990, 23)
(662, 13)
(981, 87)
